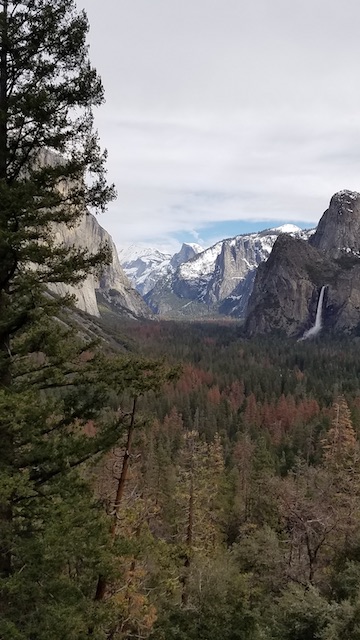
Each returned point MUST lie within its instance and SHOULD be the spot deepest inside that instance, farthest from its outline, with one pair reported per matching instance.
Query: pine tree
(51, 170)
(200, 474)
(51, 166)
(340, 443)
(52, 536)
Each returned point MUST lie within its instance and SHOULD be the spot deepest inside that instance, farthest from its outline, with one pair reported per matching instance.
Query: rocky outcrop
(343, 301)
(338, 230)
(186, 253)
(238, 257)
(111, 283)
(287, 286)
(236, 303)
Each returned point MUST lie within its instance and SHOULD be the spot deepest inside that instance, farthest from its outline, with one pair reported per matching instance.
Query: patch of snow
(202, 264)
(288, 228)
(267, 246)
(134, 252)
(197, 247)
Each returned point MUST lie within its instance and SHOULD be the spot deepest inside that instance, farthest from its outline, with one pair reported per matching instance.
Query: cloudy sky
(224, 116)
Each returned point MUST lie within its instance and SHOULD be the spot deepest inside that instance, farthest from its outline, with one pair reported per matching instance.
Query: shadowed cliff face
(287, 286)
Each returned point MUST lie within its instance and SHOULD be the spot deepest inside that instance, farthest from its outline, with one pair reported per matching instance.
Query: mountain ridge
(216, 281)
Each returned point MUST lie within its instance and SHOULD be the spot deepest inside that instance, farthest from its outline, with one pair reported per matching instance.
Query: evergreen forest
(244, 486)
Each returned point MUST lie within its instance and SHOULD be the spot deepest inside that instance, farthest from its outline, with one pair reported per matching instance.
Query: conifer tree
(51, 170)
(200, 473)
(51, 166)
(340, 443)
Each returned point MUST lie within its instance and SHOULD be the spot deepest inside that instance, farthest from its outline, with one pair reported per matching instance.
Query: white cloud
(225, 110)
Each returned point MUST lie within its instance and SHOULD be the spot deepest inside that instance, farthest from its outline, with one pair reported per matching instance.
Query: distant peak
(134, 252)
(188, 250)
(193, 245)
(288, 228)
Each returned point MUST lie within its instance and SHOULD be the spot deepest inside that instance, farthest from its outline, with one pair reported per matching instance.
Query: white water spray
(313, 331)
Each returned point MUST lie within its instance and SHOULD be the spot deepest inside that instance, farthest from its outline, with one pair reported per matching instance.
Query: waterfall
(310, 333)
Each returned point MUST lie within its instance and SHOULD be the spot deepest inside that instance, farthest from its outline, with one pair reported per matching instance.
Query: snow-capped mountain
(211, 281)
(223, 270)
(145, 267)
(188, 251)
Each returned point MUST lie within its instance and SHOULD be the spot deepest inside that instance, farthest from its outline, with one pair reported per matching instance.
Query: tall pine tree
(52, 537)
(51, 166)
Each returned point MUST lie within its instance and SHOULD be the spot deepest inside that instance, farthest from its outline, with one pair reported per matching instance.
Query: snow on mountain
(197, 247)
(201, 265)
(218, 272)
(187, 252)
(146, 266)
(143, 266)
(219, 278)
(203, 281)
(288, 228)
(246, 249)
(135, 252)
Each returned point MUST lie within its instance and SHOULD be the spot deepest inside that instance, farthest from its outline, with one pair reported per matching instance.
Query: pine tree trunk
(3, 91)
(189, 539)
(102, 581)
(6, 450)
(5, 378)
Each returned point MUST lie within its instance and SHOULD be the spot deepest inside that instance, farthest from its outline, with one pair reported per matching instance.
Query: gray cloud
(225, 110)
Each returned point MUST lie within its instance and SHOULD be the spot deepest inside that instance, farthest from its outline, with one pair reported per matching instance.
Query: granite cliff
(112, 285)
(338, 231)
(287, 286)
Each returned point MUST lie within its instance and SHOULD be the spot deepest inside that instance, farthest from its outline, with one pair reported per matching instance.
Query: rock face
(216, 281)
(186, 253)
(338, 230)
(112, 283)
(287, 286)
